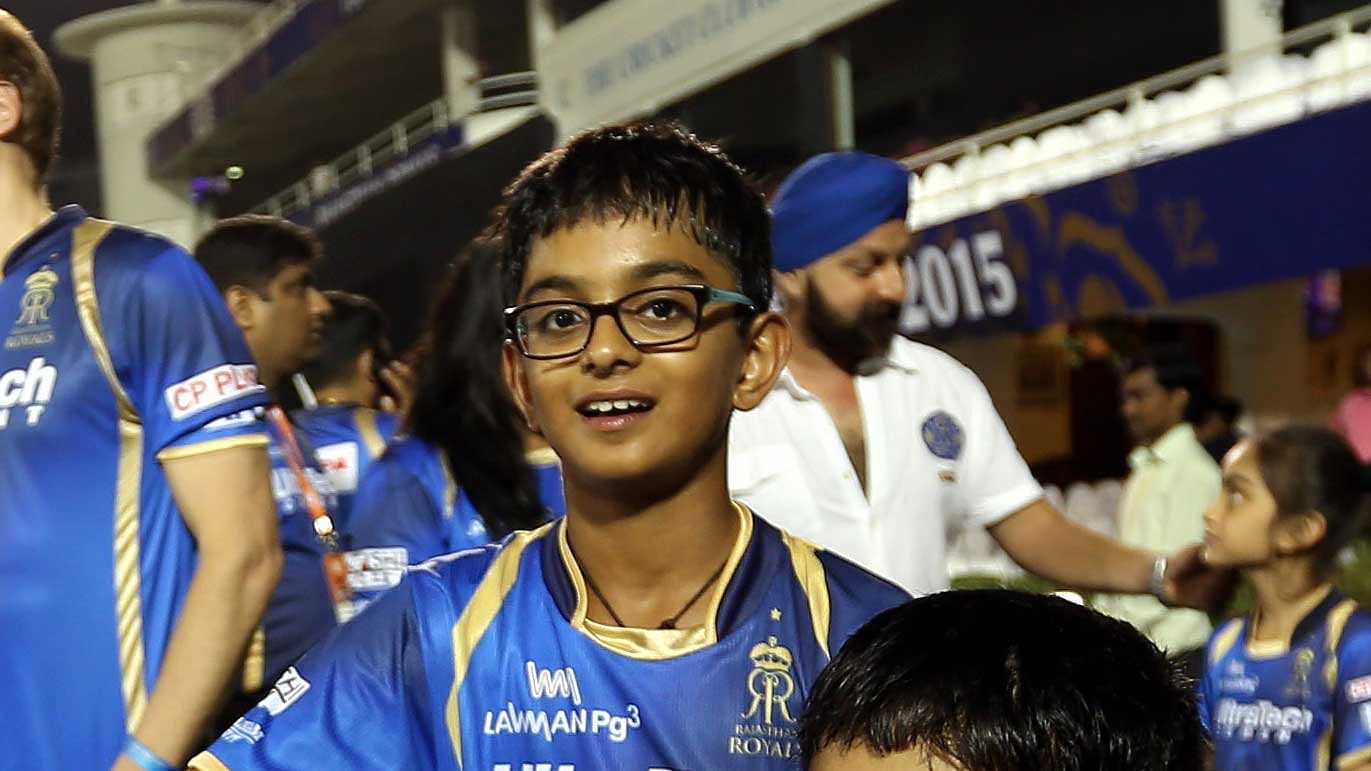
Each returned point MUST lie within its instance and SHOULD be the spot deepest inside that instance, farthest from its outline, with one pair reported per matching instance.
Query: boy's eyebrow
(667, 267)
(561, 283)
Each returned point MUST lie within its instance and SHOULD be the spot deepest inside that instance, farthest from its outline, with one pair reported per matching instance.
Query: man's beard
(849, 343)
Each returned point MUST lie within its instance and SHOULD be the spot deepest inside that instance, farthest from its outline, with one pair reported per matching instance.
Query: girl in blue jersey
(1289, 686)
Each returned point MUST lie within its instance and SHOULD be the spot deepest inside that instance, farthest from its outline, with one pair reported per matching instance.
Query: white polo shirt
(938, 458)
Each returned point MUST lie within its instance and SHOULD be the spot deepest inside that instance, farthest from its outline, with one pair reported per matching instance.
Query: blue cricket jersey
(409, 500)
(485, 661)
(346, 439)
(118, 356)
(301, 610)
(1305, 706)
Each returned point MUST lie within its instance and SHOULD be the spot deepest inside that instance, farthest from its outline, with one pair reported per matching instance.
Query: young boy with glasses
(659, 625)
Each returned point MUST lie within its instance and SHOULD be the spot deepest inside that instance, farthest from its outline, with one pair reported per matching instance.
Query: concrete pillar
(461, 68)
(146, 59)
(839, 66)
(1249, 24)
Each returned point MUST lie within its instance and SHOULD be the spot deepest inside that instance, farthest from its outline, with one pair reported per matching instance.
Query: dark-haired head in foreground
(1000, 681)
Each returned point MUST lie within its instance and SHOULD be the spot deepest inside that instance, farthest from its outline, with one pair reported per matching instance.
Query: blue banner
(1284, 203)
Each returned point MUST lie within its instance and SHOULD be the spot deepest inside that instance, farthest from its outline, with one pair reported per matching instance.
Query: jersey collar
(43, 237)
(737, 596)
(1312, 622)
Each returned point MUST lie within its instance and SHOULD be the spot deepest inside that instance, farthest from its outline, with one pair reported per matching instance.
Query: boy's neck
(1286, 591)
(648, 557)
(22, 210)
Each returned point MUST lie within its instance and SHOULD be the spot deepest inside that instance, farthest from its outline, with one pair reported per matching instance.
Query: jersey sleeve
(179, 355)
(356, 701)
(1352, 703)
(392, 509)
(855, 597)
(995, 480)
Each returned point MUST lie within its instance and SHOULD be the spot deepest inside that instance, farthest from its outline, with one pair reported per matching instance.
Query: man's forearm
(1049, 545)
(224, 604)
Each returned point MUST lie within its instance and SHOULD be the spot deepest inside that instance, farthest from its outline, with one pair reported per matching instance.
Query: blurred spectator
(1352, 419)
(264, 267)
(1173, 480)
(1216, 426)
(132, 582)
(994, 680)
(464, 474)
(347, 381)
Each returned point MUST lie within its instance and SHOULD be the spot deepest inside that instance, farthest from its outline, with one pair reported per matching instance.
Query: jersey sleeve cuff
(990, 511)
(206, 762)
(1355, 757)
(212, 445)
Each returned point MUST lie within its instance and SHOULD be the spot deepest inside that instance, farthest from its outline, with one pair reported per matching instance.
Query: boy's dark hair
(23, 63)
(997, 680)
(656, 171)
(251, 250)
(1308, 468)
(461, 404)
(355, 326)
(1175, 368)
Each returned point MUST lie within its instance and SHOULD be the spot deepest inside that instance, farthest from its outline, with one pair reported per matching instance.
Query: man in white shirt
(1173, 480)
(873, 446)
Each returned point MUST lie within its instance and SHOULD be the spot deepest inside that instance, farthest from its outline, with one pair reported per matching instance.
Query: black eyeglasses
(554, 329)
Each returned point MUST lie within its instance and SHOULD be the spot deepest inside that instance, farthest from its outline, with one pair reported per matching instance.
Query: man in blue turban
(877, 447)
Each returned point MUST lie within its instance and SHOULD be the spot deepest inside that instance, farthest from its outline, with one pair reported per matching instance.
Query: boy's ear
(511, 364)
(790, 285)
(767, 351)
(239, 300)
(1300, 533)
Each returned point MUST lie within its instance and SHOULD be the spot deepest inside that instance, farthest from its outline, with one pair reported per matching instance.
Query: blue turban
(831, 201)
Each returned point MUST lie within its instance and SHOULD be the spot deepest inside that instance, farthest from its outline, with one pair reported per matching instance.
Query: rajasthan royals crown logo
(38, 295)
(770, 682)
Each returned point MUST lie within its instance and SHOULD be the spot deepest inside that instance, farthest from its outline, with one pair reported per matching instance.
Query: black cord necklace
(668, 623)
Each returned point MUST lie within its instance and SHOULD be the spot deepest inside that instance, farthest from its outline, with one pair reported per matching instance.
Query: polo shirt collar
(899, 357)
(1169, 447)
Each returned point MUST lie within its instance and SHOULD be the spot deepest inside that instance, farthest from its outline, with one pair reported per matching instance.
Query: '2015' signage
(967, 283)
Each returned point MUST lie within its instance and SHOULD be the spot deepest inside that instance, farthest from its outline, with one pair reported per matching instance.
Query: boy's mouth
(613, 412)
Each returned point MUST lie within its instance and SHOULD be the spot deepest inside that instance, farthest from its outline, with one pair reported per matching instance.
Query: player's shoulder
(1356, 630)
(847, 582)
(453, 580)
(125, 246)
(929, 362)
(387, 423)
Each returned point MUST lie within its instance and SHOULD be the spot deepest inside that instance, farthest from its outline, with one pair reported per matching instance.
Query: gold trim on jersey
(1224, 640)
(128, 604)
(365, 418)
(656, 644)
(543, 456)
(804, 559)
(212, 445)
(255, 663)
(206, 762)
(1333, 626)
(480, 611)
(1353, 758)
(449, 486)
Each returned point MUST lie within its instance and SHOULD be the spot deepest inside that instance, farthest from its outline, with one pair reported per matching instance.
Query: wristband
(145, 758)
(1156, 585)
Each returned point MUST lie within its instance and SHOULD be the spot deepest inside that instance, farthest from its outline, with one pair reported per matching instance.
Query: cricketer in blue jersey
(410, 500)
(347, 439)
(118, 361)
(1305, 706)
(487, 660)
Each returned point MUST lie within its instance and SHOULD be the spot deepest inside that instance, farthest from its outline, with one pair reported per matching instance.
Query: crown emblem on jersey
(43, 278)
(770, 657)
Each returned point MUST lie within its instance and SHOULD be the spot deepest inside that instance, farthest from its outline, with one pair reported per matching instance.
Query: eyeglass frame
(703, 294)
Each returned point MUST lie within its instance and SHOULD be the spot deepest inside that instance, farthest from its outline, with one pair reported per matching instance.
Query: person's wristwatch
(1156, 585)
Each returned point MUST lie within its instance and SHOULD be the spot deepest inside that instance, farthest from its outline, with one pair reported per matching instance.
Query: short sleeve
(392, 509)
(356, 701)
(180, 356)
(1352, 704)
(995, 480)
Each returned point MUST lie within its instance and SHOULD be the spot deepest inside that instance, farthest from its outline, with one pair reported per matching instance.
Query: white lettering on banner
(288, 690)
(26, 391)
(1261, 722)
(946, 288)
(691, 46)
(211, 387)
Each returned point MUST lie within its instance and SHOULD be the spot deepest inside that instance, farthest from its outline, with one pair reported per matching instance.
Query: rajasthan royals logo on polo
(944, 436)
(38, 296)
(770, 682)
